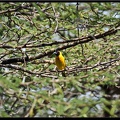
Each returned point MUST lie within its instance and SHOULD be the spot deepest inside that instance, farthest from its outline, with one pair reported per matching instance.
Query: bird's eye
(58, 53)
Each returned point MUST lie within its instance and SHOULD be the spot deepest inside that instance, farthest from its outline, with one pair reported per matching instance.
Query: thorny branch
(14, 10)
(70, 70)
(72, 43)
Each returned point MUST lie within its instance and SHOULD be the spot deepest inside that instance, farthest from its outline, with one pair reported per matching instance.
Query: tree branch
(72, 43)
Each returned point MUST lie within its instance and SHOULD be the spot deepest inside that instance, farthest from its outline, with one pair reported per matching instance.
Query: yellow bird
(60, 61)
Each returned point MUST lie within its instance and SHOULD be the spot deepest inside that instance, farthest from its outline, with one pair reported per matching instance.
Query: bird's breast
(60, 62)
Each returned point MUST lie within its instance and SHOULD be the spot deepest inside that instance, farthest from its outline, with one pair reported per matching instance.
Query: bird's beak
(55, 53)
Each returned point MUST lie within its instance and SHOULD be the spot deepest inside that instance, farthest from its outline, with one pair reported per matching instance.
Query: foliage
(88, 36)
